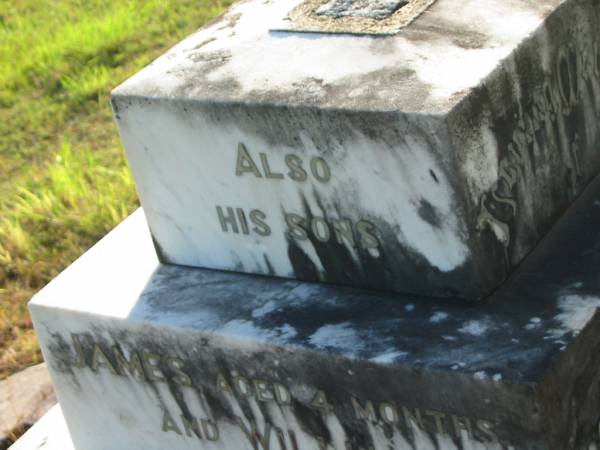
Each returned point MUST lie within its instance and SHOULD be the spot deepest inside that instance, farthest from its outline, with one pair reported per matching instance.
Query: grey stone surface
(361, 8)
(431, 162)
(172, 357)
(24, 398)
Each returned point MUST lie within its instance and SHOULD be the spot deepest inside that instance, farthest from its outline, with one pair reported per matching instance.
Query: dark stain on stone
(311, 421)
(434, 176)
(270, 269)
(160, 253)
(429, 214)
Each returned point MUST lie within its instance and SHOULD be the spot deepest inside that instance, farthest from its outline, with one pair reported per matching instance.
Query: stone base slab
(49, 433)
(147, 356)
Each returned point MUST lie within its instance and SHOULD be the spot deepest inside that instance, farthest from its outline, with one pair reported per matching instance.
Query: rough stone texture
(430, 162)
(49, 433)
(261, 363)
(24, 398)
(356, 17)
(363, 8)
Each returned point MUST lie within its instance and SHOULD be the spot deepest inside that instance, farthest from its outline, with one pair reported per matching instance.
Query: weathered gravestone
(415, 146)
(429, 160)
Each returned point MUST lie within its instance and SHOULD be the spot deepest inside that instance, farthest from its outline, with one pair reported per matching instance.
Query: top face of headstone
(431, 160)
(446, 49)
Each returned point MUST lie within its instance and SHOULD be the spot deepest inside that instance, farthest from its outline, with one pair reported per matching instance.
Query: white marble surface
(231, 351)
(395, 163)
(49, 433)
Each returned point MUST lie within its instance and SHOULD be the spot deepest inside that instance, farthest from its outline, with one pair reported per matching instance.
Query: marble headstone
(402, 145)
(147, 356)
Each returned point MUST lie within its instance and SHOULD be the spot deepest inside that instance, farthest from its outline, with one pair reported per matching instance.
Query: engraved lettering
(242, 385)
(462, 424)
(227, 220)
(267, 170)
(343, 231)
(364, 412)
(257, 439)
(413, 419)
(388, 413)
(320, 229)
(319, 401)
(282, 395)
(80, 361)
(280, 438)
(438, 417)
(151, 362)
(257, 217)
(263, 392)
(296, 226)
(487, 428)
(211, 430)
(245, 163)
(293, 440)
(242, 220)
(223, 385)
(297, 172)
(179, 376)
(320, 169)
(169, 424)
(99, 359)
(131, 366)
(191, 426)
(367, 238)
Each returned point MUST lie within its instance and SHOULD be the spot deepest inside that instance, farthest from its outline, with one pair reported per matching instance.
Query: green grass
(64, 182)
